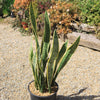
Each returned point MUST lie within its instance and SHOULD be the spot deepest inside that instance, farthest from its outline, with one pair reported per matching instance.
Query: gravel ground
(79, 80)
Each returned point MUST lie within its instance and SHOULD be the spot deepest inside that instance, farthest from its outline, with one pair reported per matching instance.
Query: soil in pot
(46, 93)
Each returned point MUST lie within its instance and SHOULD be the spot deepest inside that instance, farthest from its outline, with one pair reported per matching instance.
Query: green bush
(7, 6)
(90, 11)
(1, 6)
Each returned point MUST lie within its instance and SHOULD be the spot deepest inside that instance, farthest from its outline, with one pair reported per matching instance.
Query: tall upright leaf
(67, 56)
(34, 27)
(50, 63)
(61, 53)
(46, 39)
(32, 16)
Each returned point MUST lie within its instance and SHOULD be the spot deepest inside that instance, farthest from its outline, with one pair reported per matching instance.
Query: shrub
(43, 6)
(21, 4)
(7, 4)
(61, 15)
(90, 11)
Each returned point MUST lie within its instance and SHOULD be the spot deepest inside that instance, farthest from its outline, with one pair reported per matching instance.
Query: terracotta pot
(25, 26)
(24, 23)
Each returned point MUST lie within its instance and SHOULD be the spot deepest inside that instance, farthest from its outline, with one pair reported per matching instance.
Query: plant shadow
(76, 97)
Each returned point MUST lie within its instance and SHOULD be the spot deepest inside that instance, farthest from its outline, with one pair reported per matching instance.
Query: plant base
(41, 96)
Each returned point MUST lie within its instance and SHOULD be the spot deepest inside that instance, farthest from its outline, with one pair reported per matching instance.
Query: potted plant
(46, 68)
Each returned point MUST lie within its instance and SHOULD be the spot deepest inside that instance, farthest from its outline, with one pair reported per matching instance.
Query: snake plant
(46, 67)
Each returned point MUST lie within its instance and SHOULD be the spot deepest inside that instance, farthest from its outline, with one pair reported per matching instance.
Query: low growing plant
(65, 14)
(7, 6)
(43, 6)
(21, 4)
(90, 11)
(46, 68)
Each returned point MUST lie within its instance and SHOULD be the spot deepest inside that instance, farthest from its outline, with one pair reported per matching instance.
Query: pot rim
(42, 96)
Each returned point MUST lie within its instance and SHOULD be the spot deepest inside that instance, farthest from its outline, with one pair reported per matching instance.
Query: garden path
(79, 80)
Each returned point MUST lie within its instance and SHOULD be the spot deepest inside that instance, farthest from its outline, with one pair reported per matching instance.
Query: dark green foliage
(7, 4)
(1, 8)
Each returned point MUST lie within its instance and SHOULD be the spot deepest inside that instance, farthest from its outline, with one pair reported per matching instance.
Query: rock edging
(87, 40)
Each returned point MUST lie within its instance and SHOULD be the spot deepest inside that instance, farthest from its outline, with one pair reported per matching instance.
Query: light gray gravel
(79, 80)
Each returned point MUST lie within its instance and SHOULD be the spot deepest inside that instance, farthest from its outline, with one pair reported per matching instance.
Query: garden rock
(87, 40)
(84, 27)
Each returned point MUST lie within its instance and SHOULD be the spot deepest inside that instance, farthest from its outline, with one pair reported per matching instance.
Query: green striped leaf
(67, 56)
(34, 68)
(32, 16)
(46, 36)
(46, 40)
(34, 61)
(31, 54)
(61, 53)
(50, 63)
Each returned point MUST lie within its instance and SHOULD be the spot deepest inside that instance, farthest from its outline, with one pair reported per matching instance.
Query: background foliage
(7, 4)
(65, 14)
(62, 14)
(90, 11)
